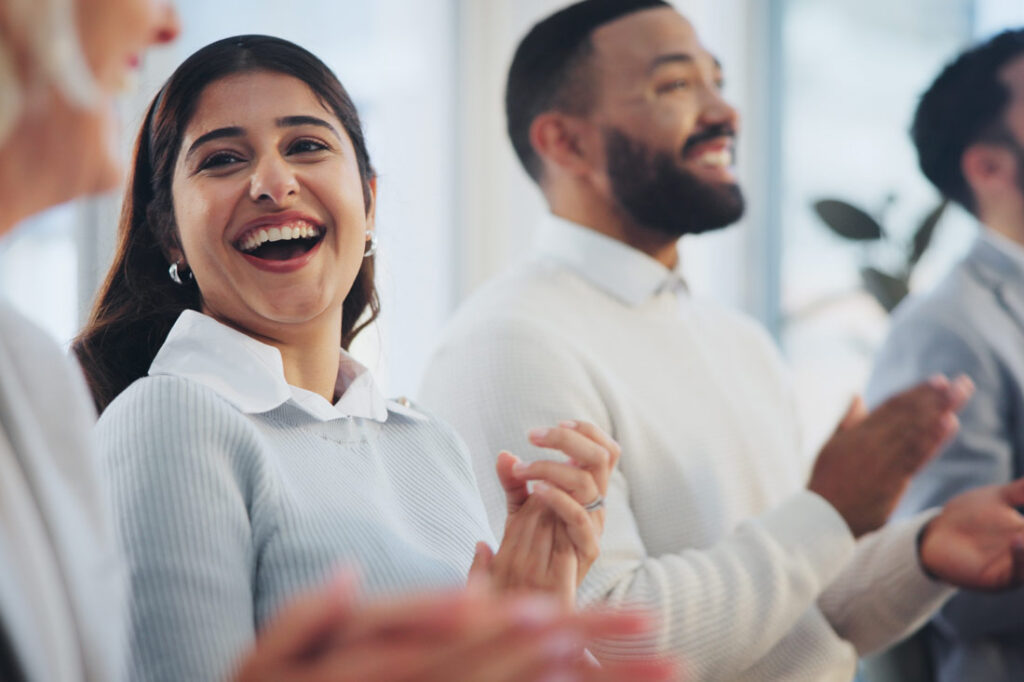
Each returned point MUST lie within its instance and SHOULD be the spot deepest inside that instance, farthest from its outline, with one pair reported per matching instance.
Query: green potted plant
(887, 284)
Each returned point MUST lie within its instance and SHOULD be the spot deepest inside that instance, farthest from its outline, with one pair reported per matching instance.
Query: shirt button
(403, 401)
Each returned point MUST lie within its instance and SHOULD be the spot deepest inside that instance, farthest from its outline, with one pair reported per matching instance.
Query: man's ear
(565, 141)
(989, 168)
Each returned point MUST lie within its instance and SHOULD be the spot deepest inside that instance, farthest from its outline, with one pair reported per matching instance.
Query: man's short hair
(547, 74)
(964, 106)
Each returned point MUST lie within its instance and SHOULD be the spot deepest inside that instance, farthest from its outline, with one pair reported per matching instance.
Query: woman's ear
(175, 255)
(371, 208)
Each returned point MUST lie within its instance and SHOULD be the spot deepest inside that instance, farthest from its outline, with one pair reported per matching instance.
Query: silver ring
(598, 503)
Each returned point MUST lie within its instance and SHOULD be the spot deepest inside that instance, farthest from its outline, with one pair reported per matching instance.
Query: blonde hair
(44, 32)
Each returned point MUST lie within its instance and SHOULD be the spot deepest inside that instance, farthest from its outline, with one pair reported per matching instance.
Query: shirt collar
(610, 265)
(250, 374)
(1005, 245)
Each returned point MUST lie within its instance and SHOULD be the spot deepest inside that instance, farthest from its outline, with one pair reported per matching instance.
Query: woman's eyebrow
(292, 121)
(233, 131)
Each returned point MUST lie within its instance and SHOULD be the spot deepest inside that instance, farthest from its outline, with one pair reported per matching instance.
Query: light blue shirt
(234, 491)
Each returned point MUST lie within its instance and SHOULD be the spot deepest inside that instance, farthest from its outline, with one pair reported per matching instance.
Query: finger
(950, 395)
(516, 545)
(855, 414)
(479, 572)
(596, 434)
(508, 656)
(566, 571)
(1012, 493)
(306, 624)
(963, 389)
(605, 622)
(577, 521)
(515, 488)
(579, 483)
(584, 452)
(431, 615)
(534, 570)
(384, 660)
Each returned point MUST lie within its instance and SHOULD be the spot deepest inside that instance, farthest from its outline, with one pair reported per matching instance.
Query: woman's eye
(220, 160)
(306, 146)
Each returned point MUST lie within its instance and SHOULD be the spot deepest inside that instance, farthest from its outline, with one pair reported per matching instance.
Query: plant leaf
(923, 236)
(848, 221)
(887, 289)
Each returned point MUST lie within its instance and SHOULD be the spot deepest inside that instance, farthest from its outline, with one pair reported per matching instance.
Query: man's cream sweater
(708, 521)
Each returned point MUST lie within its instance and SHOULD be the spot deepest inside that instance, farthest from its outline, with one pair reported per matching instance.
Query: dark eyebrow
(679, 57)
(673, 57)
(292, 121)
(219, 133)
(236, 131)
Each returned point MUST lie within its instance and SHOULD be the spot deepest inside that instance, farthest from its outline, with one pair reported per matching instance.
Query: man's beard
(657, 193)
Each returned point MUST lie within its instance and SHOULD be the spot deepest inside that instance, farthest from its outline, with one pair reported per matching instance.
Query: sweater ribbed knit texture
(708, 523)
(225, 516)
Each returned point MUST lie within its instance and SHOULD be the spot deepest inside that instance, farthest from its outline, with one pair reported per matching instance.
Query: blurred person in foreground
(969, 134)
(758, 566)
(61, 589)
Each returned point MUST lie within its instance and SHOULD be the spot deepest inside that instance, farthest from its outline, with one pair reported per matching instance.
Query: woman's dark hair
(138, 303)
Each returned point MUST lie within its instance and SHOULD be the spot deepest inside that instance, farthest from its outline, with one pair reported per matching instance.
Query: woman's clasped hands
(552, 532)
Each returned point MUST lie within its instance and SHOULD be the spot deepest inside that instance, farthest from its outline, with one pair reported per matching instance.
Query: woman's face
(68, 149)
(269, 206)
(114, 33)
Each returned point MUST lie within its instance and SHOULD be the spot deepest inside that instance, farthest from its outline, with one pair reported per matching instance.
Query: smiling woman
(193, 201)
(248, 453)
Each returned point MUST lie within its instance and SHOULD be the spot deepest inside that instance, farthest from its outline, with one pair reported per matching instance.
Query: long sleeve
(721, 608)
(883, 595)
(982, 452)
(175, 456)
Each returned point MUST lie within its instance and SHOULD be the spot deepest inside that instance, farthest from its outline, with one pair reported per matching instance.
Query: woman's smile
(281, 242)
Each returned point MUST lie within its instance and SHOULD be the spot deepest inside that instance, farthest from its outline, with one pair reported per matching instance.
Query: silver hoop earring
(371, 244)
(176, 275)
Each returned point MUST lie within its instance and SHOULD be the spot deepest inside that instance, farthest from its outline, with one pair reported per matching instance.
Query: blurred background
(826, 89)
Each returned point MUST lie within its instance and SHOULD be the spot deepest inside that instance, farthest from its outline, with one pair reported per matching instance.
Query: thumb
(855, 414)
(516, 492)
(480, 571)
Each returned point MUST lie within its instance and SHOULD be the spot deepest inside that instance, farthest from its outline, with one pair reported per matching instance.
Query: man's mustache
(710, 133)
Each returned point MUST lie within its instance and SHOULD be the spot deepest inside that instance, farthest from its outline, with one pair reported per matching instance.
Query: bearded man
(755, 572)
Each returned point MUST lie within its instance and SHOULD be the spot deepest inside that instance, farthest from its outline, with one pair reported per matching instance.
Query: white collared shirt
(250, 375)
(616, 268)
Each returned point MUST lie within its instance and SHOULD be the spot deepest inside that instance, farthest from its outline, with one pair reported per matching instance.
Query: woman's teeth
(258, 238)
